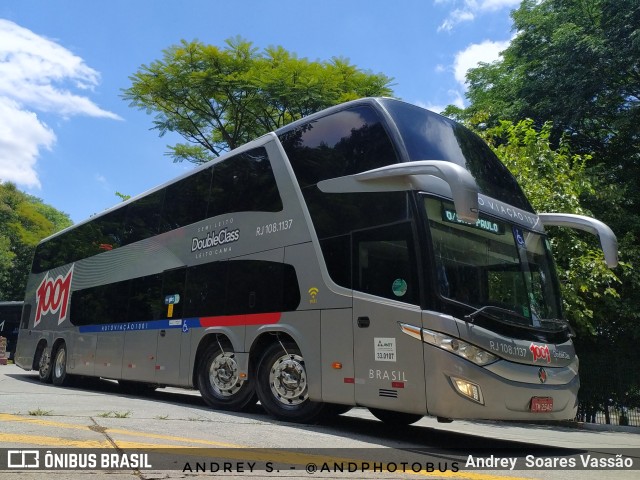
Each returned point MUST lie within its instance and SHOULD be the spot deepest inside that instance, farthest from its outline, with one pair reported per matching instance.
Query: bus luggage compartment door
(168, 355)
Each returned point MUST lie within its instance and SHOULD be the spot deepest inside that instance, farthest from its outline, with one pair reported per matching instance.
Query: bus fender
(235, 336)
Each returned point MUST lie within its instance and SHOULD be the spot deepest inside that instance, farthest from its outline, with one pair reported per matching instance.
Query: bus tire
(282, 385)
(44, 365)
(59, 375)
(219, 380)
(395, 418)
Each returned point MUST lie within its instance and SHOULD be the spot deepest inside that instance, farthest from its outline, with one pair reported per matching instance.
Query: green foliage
(123, 196)
(221, 98)
(574, 63)
(555, 180)
(24, 221)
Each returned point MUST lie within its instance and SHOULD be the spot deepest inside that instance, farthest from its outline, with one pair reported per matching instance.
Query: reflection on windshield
(493, 264)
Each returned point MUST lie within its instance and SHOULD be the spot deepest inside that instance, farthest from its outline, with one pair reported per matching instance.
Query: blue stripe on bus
(136, 326)
(185, 323)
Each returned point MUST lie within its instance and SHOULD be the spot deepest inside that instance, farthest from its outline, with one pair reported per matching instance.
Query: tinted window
(343, 143)
(206, 290)
(186, 201)
(81, 242)
(145, 300)
(255, 287)
(109, 230)
(100, 305)
(428, 136)
(339, 213)
(244, 183)
(336, 215)
(384, 263)
(143, 217)
(213, 289)
(240, 287)
(337, 256)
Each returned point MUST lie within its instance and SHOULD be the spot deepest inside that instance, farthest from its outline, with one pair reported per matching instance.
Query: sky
(68, 137)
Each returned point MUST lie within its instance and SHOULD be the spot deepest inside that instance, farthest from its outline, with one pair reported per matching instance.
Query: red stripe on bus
(237, 320)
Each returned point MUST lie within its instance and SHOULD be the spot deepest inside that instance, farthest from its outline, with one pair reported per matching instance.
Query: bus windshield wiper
(524, 323)
(480, 310)
(560, 322)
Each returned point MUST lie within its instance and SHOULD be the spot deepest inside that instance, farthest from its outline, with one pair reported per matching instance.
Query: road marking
(43, 441)
(221, 450)
(5, 417)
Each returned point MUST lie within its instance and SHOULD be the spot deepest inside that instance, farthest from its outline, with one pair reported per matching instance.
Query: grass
(39, 412)
(126, 414)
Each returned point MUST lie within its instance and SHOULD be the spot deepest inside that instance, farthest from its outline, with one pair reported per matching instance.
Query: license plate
(541, 404)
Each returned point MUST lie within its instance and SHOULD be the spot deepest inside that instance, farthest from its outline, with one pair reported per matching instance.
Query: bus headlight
(468, 389)
(458, 347)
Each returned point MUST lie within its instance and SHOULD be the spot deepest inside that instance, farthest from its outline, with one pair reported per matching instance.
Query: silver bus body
(359, 280)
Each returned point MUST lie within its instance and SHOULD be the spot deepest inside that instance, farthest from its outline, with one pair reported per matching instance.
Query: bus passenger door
(389, 366)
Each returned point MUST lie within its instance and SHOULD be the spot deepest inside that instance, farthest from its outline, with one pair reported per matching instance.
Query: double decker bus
(373, 254)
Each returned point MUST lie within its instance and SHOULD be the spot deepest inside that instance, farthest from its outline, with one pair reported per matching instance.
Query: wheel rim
(60, 364)
(288, 380)
(45, 361)
(224, 375)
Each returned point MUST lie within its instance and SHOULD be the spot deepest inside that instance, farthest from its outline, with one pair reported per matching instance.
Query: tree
(555, 180)
(24, 221)
(575, 63)
(221, 98)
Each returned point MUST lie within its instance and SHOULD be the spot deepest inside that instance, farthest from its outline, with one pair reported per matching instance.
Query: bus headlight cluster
(458, 347)
(468, 389)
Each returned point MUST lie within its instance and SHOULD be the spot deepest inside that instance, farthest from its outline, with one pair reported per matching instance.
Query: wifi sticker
(313, 293)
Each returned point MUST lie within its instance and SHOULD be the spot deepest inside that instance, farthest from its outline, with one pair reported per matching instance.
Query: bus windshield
(498, 269)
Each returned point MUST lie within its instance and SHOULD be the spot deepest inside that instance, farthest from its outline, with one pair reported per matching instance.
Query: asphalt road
(170, 433)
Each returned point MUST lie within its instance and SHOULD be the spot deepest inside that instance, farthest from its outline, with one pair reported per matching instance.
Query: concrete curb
(595, 427)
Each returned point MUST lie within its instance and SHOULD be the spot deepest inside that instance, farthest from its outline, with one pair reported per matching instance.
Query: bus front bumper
(459, 389)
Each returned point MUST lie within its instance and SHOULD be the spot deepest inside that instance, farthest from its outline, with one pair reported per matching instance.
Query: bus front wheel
(282, 384)
(220, 382)
(59, 368)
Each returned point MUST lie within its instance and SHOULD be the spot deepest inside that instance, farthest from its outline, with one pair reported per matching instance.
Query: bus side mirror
(410, 176)
(608, 240)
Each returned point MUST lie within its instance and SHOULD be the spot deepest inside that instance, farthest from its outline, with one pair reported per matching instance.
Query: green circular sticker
(399, 287)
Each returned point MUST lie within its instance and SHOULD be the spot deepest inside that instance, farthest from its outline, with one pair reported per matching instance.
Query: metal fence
(609, 379)
(611, 415)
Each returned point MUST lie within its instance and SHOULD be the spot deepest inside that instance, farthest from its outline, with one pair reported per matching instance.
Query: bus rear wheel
(59, 375)
(282, 384)
(44, 365)
(219, 380)
(395, 418)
